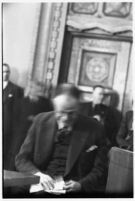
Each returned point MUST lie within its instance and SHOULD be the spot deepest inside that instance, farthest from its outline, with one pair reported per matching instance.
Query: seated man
(31, 105)
(64, 143)
(102, 113)
(125, 134)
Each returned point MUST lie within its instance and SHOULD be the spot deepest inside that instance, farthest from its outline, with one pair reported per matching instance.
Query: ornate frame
(106, 61)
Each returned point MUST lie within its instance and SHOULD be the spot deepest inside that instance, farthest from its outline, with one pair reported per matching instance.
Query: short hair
(7, 65)
(67, 89)
(98, 86)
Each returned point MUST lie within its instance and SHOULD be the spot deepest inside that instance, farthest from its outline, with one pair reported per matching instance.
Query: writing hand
(72, 186)
(46, 181)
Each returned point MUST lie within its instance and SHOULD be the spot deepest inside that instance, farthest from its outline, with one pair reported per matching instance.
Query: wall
(24, 53)
(19, 36)
(97, 49)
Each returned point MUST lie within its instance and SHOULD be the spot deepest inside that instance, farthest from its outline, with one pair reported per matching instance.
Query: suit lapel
(77, 142)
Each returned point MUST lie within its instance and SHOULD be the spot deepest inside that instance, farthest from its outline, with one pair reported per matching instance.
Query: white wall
(18, 37)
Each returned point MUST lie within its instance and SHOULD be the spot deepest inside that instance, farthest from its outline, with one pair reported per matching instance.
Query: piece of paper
(58, 187)
(56, 191)
(36, 188)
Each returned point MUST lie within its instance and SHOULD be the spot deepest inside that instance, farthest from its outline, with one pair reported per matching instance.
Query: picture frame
(95, 68)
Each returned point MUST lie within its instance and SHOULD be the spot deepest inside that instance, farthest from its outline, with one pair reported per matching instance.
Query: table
(13, 178)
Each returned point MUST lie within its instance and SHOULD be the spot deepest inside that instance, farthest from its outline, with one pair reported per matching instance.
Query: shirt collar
(5, 83)
(61, 126)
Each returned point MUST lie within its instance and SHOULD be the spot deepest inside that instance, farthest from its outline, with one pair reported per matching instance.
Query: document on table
(58, 187)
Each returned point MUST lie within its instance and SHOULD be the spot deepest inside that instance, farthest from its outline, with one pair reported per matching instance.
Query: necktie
(61, 133)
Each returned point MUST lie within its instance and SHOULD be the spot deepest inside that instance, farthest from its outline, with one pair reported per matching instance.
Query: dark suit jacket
(29, 109)
(110, 119)
(12, 95)
(126, 129)
(88, 167)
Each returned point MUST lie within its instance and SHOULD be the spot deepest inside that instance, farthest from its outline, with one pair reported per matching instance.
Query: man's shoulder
(85, 103)
(44, 116)
(84, 106)
(15, 88)
(87, 122)
(13, 85)
(104, 107)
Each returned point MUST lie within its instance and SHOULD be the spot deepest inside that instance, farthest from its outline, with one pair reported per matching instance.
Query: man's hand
(46, 181)
(72, 186)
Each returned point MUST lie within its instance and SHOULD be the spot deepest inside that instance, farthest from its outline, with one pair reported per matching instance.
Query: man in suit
(11, 113)
(64, 143)
(102, 113)
(31, 105)
(125, 134)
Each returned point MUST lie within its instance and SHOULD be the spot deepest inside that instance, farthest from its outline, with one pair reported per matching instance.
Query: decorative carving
(100, 44)
(53, 44)
(84, 8)
(97, 69)
(48, 45)
(120, 9)
(119, 20)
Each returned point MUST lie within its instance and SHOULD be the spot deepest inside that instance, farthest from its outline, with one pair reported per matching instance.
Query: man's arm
(23, 160)
(122, 133)
(112, 124)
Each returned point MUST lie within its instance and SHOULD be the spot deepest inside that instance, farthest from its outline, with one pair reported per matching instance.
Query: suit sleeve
(122, 132)
(23, 160)
(112, 124)
(98, 174)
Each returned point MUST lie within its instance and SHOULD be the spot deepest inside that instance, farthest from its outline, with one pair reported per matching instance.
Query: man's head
(6, 72)
(98, 94)
(66, 101)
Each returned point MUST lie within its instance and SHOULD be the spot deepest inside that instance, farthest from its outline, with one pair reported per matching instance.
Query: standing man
(64, 143)
(102, 113)
(12, 95)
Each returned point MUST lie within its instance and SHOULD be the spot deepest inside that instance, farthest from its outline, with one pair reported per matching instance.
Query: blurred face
(98, 95)
(6, 73)
(66, 108)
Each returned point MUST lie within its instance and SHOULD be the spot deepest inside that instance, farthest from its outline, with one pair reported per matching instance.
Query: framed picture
(95, 68)
(84, 8)
(119, 9)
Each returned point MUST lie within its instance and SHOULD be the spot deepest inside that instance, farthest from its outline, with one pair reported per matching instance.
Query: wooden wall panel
(106, 63)
(101, 48)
